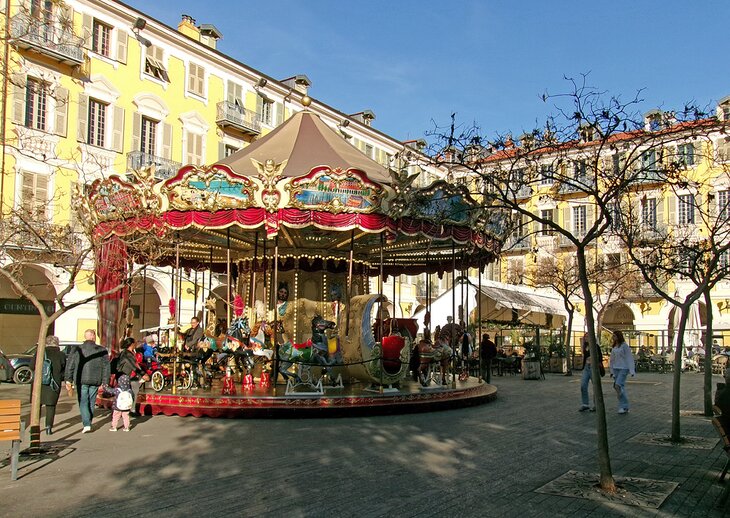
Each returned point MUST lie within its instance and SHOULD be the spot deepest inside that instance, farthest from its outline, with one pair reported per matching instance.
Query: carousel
(302, 229)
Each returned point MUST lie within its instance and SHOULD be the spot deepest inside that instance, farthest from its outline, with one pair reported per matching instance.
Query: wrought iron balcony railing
(231, 114)
(48, 38)
(164, 167)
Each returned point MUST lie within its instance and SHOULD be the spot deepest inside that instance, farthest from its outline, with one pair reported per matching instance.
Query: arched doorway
(19, 319)
(145, 301)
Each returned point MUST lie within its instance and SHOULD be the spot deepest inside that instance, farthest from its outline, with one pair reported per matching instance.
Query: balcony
(164, 168)
(233, 115)
(516, 243)
(46, 38)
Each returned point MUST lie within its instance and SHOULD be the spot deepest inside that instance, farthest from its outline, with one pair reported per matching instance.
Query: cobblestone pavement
(481, 461)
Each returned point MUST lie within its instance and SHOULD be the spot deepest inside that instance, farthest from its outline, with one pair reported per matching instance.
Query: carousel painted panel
(335, 190)
(443, 203)
(209, 188)
(113, 198)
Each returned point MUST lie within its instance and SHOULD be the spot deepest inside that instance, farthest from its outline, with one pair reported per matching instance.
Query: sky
(415, 62)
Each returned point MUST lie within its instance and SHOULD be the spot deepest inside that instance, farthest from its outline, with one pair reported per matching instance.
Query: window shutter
(567, 219)
(87, 29)
(660, 212)
(221, 150)
(590, 215)
(260, 107)
(279, 113)
(166, 141)
(136, 132)
(61, 121)
(672, 203)
(122, 44)
(230, 92)
(19, 99)
(118, 131)
(82, 128)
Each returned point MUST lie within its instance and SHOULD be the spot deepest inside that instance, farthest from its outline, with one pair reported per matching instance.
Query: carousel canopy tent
(304, 189)
(500, 303)
(304, 142)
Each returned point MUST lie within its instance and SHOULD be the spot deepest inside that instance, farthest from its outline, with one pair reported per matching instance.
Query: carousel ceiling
(304, 194)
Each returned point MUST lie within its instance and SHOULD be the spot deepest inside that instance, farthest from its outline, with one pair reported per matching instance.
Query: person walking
(588, 375)
(51, 391)
(129, 366)
(123, 403)
(621, 365)
(88, 368)
(488, 352)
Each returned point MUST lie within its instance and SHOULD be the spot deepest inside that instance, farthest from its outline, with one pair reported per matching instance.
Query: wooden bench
(11, 429)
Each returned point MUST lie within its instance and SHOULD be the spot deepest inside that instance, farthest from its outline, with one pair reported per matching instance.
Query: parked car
(20, 367)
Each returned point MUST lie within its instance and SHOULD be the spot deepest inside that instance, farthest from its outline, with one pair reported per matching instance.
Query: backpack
(125, 400)
(47, 374)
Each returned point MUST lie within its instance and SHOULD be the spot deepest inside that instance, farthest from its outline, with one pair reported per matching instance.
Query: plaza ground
(481, 461)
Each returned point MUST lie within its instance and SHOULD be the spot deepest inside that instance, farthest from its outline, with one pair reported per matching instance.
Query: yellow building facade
(95, 88)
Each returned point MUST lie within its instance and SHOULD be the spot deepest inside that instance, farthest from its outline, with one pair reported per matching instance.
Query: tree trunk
(568, 345)
(678, 350)
(607, 482)
(35, 397)
(708, 355)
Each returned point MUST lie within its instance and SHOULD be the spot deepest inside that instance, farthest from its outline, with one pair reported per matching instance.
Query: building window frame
(98, 120)
(101, 38)
(36, 104)
(686, 209)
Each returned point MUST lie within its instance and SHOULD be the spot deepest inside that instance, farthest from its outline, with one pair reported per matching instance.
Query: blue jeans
(619, 385)
(87, 402)
(584, 380)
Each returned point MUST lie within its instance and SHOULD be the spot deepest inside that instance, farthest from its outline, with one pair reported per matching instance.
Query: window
(579, 221)
(194, 149)
(148, 136)
(36, 104)
(34, 198)
(613, 260)
(614, 210)
(648, 213)
(549, 215)
(723, 149)
(723, 205)
(546, 174)
(101, 38)
(153, 65)
(619, 163)
(686, 154)
(369, 150)
(725, 259)
(228, 150)
(580, 169)
(97, 123)
(264, 109)
(686, 209)
(196, 79)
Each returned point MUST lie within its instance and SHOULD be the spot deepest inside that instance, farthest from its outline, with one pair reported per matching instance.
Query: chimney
(188, 28)
(365, 116)
(209, 35)
(300, 83)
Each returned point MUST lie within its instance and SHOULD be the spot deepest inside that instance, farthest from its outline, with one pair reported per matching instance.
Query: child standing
(123, 403)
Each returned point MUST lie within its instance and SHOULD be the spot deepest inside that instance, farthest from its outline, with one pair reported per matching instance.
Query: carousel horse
(428, 353)
(236, 341)
(315, 351)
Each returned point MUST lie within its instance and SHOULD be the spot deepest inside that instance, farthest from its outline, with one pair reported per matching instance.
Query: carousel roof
(305, 190)
(304, 141)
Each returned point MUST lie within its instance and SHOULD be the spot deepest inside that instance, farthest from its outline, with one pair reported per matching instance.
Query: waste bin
(531, 369)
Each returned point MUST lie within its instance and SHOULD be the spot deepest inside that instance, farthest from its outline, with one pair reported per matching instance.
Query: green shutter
(136, 132)
(122, 44)
(82, 128)
(61, 119)
(118, 131)
(166, 141)
(19, 81)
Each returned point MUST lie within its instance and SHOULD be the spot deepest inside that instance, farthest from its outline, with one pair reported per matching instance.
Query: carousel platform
(349, 401)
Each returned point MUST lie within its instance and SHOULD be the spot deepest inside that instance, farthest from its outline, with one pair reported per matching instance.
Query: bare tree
(568, 176)
(692, 249)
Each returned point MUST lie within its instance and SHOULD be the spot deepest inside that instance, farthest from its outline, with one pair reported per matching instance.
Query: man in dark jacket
(193, 335)
(487, 351)
(88, 368)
